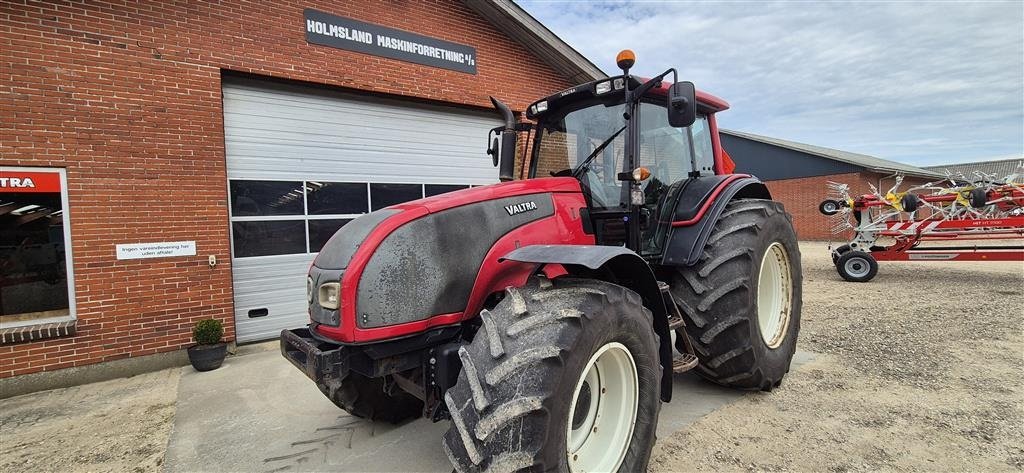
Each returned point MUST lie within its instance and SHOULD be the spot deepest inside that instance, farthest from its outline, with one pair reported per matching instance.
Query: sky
(925, 83)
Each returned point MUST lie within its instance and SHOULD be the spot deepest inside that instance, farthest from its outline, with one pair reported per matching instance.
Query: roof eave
(515, 22)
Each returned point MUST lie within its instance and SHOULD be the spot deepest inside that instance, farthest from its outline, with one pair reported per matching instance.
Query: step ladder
(686, 360)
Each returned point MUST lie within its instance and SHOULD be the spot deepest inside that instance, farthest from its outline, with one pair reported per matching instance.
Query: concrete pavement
(258, 413)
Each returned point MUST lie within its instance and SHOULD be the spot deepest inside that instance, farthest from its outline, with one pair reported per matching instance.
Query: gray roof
(869, 162)
(1000, 168)
(512, 20)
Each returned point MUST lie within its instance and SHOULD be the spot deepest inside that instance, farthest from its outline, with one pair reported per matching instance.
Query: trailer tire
(529, 367)
(366, 398)
(720, 295)
(979, 198)
(836, 253)
(857, 266)
(910, 202)
(829, 207)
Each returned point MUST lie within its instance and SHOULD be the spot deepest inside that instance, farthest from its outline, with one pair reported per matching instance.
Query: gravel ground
(920, 369)
(118, 425)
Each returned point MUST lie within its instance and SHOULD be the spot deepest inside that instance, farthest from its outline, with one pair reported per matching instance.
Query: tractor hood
(419, 260)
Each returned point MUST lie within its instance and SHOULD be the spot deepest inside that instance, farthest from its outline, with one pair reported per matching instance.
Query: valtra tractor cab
(544, 318)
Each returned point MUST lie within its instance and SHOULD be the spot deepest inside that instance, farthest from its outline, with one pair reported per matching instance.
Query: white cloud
(922, 83)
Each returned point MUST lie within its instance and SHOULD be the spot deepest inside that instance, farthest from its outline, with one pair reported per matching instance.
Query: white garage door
(302, 162)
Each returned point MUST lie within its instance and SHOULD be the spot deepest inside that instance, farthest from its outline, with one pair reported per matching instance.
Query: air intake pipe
(507, 161)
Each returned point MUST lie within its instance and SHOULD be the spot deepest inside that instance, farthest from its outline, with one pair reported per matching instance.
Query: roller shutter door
(301, 162)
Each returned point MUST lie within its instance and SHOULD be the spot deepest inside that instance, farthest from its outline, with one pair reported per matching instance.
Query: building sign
(35, 182)
(353, 35)
(156, 250)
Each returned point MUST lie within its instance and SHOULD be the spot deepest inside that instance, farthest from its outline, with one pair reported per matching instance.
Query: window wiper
(586, 162)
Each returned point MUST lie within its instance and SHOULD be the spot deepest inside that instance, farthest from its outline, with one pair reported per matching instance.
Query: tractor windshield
(565, 142)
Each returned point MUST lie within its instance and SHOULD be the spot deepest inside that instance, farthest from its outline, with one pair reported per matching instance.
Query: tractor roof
(706, 102)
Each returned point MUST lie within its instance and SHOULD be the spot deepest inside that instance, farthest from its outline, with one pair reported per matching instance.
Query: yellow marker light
(625, 59)
(641, 174)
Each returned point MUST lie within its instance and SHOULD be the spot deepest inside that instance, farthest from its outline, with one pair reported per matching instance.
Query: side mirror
(493, 150)
(682, 104)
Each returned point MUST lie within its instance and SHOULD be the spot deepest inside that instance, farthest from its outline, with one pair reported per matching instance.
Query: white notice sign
(156, 250)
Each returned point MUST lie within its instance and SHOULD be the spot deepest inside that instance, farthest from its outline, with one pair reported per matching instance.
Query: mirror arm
(647, 86)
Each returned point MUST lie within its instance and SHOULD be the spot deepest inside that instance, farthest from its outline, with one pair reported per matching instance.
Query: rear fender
(694, 222)
(617, 265)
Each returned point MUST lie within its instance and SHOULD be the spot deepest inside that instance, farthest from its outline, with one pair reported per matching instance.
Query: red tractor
(545, 317)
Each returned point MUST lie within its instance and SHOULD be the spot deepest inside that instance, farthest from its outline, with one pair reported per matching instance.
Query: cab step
(675, 317)
(675, 321)
(683, 363)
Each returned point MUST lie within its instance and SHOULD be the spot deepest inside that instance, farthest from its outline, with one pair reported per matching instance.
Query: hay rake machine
(952, 210)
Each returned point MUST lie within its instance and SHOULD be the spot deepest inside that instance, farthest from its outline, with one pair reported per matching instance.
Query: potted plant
(208, 352)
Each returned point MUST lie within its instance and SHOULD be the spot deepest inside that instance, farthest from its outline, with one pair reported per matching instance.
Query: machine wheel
(910, 203)
(979, 197)
(857, 266)
(366, 397)
(836, 253)
(742, 300)
(563, 375)
(829, 207)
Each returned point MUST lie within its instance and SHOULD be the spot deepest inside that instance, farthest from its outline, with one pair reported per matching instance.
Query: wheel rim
(603, 411)
(774, 295)
(857, 267)
(830, 207)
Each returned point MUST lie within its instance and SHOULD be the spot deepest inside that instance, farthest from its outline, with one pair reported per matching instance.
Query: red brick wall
(802, 196)
(127, 96)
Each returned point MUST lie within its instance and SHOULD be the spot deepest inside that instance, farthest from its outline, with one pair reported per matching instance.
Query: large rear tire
(366, 398)
(742, 299)
(563, 375)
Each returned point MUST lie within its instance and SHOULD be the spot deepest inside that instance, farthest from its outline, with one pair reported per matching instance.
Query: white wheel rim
(603, 430)
(857, 267)
(830, 207)
(774, 295)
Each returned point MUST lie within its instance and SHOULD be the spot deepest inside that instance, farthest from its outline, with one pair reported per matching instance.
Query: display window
(36, 278)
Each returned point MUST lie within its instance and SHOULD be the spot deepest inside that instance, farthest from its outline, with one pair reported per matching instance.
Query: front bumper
(322, 362)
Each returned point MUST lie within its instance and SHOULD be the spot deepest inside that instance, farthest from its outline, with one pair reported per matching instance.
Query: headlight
(329, 295)
(309, 290)
(603, 87)
(542, 106)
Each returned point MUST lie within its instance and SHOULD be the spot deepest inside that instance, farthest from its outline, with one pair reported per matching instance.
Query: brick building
(797, 174)
(168, 162)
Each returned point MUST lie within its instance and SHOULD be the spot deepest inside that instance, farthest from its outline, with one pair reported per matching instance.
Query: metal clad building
(797, 174)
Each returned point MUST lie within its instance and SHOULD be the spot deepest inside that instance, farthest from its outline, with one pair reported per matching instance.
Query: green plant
(208, 332)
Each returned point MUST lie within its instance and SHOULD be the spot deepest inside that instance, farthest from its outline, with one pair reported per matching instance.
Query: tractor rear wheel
(563, 375)
(366, 398)
(742, 299)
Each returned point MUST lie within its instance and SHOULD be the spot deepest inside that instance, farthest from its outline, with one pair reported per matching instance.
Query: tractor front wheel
(563, 375)
(742, 299)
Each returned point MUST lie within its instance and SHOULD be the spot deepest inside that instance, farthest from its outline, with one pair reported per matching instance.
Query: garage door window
(36, 282)
(296, 217)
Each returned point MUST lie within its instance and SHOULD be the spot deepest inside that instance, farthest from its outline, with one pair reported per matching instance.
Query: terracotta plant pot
(207, 357)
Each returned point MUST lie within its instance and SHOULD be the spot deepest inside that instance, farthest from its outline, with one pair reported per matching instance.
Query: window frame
(69, 266)
(305, 216)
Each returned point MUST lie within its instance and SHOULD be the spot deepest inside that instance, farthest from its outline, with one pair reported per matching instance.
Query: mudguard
(617, 265)
(698, 207)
